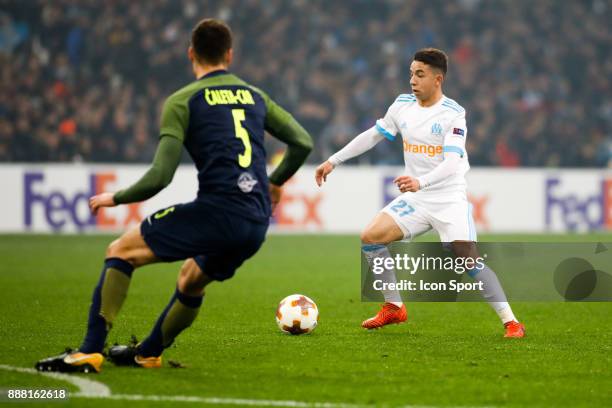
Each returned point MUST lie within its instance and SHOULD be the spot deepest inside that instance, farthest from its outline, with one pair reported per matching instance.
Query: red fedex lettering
(478, 213)
(279, 213)
(312, 209)
(133, 214)
(310, 204)
(102, 219)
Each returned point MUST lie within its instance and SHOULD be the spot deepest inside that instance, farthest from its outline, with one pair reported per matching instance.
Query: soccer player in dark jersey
(220, 120)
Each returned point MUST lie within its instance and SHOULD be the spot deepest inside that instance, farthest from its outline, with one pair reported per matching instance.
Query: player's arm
(281, 124)
(166, 160)
(385, 128)
(453, 151)
(159, 175)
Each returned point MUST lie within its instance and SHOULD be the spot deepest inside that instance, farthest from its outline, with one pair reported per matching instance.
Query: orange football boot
(388, 314)
(128, 356)
(514, 329)
(72, 361)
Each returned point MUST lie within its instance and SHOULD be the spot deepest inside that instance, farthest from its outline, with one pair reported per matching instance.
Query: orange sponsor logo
(429, 150)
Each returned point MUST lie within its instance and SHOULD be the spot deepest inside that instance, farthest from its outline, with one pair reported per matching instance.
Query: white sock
(504, 311)
(372, 251)
(493, 293)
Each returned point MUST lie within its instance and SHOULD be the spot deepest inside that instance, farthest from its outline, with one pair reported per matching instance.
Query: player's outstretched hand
(275, 195)
(322, 171)
(101, 200)
(407, 183)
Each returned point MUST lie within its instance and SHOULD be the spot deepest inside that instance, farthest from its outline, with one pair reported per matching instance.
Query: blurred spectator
(85, 80)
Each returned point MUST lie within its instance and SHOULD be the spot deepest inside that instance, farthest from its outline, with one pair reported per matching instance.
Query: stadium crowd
(85, 80)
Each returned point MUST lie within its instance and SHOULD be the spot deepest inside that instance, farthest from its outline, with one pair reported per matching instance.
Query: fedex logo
(298, 209)
(590, 211)
(62, 209)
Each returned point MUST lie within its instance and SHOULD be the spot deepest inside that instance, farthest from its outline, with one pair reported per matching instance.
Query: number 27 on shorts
(402, 208)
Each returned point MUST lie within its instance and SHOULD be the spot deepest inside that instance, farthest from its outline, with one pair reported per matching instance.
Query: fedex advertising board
(54, 198)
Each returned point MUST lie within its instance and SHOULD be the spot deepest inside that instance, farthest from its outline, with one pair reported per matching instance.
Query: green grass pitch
(446, 355)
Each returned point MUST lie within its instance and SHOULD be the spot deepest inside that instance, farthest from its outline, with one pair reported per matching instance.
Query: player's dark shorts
(218, 240)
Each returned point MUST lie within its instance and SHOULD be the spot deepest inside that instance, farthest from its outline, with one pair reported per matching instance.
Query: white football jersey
(428, 133)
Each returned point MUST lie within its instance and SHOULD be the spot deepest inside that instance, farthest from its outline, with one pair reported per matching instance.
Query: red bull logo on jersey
(578, 212)
(429, 150)
(61, 208)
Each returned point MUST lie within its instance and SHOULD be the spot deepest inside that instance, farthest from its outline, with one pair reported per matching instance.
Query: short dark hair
(433, 57)
(210, 40)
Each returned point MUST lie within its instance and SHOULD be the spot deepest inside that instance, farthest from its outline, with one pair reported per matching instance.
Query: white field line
(94, 389)
(87, 388)
(229, 401)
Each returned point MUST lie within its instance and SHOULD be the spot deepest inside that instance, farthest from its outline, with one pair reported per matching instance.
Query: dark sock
(176, 317)
(107, 299)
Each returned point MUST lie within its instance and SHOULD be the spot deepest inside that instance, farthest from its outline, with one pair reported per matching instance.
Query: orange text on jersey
(429, 150)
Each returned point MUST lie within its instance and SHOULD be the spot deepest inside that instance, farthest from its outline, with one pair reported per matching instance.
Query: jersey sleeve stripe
(450, 102)
(455, 108)
(405, 97)
(453, 149)
(384, 132)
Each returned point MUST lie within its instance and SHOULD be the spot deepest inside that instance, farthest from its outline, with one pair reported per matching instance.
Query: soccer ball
(297, 314)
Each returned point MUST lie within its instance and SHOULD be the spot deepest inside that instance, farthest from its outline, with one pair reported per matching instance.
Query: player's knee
(191, 279)
(464, 249)
(190, 287)
(114, 249)
(371, 236)
(365, 237)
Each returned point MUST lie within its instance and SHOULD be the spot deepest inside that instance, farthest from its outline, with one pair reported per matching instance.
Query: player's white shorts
(450, 216)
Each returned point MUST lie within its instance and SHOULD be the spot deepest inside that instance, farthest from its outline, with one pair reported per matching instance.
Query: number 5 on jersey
(244, 159)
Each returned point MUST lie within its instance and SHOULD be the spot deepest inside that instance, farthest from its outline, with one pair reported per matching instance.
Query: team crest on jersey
(246, 182)
(436, 129)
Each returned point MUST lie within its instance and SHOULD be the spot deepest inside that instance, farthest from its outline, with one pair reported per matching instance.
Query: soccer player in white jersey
(433, 129)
